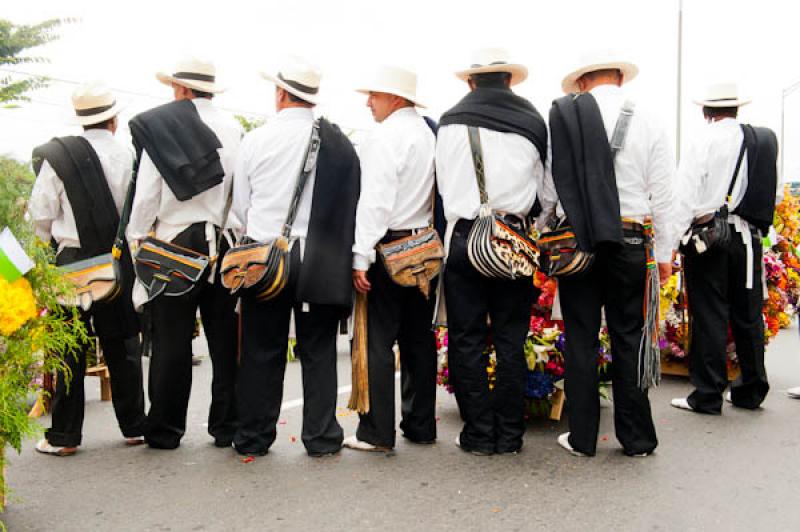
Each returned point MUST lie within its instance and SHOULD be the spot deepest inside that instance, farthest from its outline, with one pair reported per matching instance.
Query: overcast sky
(125, 43)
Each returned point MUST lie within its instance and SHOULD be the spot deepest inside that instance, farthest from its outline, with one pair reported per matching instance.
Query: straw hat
(488, 60)
(722, 95)
(393, 80)
(194, 73)
(598, 60)
(94, 103)
(298, 77)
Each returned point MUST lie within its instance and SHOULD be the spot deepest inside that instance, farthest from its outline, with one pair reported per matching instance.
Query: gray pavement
(738, 471)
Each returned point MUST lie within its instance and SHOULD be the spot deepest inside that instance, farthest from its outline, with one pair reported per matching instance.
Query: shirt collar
(403, 112)
(606, 90)
(202, 103)
(296, 113)
(97, 134)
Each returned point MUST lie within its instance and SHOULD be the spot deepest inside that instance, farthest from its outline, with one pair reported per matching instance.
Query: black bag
(712, 230)
(168, 269)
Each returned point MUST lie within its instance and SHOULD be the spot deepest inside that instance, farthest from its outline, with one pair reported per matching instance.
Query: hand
(664, 272)
(360, 281)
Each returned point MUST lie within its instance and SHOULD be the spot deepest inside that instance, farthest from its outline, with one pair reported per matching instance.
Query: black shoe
(223, 443)
(419, 442)
(323, 454)
(475, 452)
(245, 452)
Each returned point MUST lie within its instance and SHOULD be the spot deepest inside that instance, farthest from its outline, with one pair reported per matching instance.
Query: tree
(15, 39)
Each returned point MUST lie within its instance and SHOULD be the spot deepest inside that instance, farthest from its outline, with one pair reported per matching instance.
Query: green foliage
(15, 39)
(249, 124)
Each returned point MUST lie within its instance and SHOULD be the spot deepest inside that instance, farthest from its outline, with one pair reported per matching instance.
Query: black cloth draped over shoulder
(96, 219)
(583, 171)
(758, 204)
(499, 109)
(326, 272)
(182, 147)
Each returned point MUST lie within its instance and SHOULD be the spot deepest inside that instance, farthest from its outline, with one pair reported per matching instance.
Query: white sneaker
(728, 397)
(794, 393)
(43, 446)
(563, 441)
(682, 403)
(352, 442)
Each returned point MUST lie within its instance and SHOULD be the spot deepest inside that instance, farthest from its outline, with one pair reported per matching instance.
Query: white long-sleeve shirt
(706, 171)
(644, 168)
(49, 208)
(397, 178)
(512, 166)
(266, 171)
(155, 207)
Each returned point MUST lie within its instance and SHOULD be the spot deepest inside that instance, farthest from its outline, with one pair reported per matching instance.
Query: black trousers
(715, 284)
(493, 420)
(402, 314)
(123, 358)
(615, 281)
(265, 337)
(170, 380)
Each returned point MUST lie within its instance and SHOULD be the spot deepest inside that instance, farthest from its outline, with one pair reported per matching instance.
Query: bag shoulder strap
(735, 176)
(477, 161)
(124, 218)
(309, 164)
(621, 128)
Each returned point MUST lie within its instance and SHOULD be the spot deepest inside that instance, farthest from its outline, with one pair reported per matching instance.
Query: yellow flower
(17, 305)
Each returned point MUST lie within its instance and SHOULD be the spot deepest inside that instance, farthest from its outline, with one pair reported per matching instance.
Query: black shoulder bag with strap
(261, 270)
(712, 230)
(561, 255)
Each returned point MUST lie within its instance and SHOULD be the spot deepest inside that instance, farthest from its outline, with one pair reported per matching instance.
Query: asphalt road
(738, 471)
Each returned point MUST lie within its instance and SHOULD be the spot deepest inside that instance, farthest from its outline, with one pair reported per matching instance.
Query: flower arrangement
(35, 331)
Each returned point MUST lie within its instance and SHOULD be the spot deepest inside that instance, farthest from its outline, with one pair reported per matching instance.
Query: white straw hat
(488, 60)
(298, 77)
(94, 103)
(598, 60)
(722, 95)
(194, 73)
(393, 80)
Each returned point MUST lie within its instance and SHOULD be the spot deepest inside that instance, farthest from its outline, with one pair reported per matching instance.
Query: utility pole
(680, 83)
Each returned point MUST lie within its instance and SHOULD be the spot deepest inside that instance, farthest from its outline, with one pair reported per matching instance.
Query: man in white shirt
(194, 222)
(514, 144)
(730, 169)
(397, 187)
(77, 207)
(606, 198)
(319, 288)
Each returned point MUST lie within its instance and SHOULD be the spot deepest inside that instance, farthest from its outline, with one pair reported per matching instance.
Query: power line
(125, 91)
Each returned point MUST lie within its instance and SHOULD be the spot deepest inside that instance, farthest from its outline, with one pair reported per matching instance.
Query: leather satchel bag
(99, 278)
(168, 269)
(561, 256)
(712, 230)
(498, 245)
(261, 270)
(96, 279)
(414, 260)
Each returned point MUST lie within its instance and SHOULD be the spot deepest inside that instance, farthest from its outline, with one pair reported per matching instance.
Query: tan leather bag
(259, 270)
(414, 260)
(95, 279)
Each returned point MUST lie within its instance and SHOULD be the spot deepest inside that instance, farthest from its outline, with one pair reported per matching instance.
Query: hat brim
(734, 102)
(389, 90)
(310, 98)
(519, 73)
(570, 82)
(99, 117)
(203, 86)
